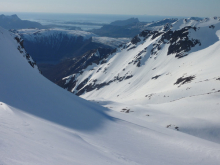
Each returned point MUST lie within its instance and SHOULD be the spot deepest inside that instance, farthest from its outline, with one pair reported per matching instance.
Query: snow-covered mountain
(154, 56)
(55, 45)
(178, 63)
(41, 123)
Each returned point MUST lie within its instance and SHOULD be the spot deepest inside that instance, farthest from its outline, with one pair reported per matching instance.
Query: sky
(199, 8)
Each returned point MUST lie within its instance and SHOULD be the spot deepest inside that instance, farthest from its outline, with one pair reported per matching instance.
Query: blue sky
(201, 8)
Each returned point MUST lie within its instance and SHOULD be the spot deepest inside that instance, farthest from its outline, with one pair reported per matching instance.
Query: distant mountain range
(129, 28)
(14, 22)
(131, 22)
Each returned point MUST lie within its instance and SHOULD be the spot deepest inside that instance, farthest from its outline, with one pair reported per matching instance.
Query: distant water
(64, 19)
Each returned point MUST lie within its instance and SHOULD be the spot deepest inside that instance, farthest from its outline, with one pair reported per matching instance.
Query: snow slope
(41, 123)
(179, 62)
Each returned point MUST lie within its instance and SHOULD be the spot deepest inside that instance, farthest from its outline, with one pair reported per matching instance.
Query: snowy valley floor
(131, 138)
(195, 115)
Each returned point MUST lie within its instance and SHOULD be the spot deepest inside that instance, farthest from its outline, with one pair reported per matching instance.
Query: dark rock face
(135, 40)
(95, 86)
(133, 47)
(82, 84)
(156, 77)
(22, 51)
(145, 34)
(178, 40)
(156, 34)
(183, 80)
(137, 59)
(212, 27)
(167, 27)
(70, 85)
(88, 84)
(91, 87)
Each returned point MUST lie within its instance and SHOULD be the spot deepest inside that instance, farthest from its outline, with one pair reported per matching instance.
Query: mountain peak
(129, 21)
(14, 16)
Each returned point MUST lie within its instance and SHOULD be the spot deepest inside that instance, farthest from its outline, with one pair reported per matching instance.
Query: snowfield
(27, 139)
(40, 123)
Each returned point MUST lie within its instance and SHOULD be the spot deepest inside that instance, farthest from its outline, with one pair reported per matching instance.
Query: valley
(80, 97)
